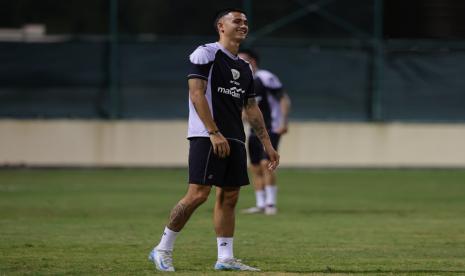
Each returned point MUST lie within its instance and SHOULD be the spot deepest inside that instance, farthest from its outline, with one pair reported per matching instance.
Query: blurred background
(372, 82)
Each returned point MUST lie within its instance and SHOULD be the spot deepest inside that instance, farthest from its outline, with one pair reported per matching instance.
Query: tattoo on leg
(178, 216)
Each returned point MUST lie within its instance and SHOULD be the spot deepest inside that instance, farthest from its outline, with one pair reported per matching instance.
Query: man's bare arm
(255, 118)
(197, 88)
(256, 121)
(285, 106)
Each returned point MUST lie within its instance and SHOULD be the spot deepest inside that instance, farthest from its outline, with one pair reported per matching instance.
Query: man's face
(234, 25)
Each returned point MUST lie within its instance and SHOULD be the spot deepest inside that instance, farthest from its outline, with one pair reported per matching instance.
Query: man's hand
(220, 145)
(274, 157)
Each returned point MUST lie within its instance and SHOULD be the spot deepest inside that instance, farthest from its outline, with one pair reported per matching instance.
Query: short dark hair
(222, 13)
(251, 53)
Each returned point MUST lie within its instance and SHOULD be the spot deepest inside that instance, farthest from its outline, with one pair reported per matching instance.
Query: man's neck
(231, 46)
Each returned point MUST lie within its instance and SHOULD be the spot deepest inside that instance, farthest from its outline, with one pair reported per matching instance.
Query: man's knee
(228, 198)
(257, 170)
(200, 197)
(264, 165)
(198, 194)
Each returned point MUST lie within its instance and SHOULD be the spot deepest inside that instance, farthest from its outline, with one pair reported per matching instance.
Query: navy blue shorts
(256, 151)
(205, 168)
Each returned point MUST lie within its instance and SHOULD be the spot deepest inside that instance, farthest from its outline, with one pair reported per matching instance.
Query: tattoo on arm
(250, 102)
(256, 119)
(259, 128)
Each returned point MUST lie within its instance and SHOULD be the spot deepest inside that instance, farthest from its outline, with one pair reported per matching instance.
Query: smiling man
(220, 87)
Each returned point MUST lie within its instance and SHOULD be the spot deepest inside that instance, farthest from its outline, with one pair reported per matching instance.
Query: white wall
(163, 143)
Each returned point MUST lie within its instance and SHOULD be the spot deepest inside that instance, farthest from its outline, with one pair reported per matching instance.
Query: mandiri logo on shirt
(236, 74)
(233, 91)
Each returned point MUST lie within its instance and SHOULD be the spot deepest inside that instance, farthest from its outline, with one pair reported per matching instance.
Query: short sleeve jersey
(229, 85)
(269, 91)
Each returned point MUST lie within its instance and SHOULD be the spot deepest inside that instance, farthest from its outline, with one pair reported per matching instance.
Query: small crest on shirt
(235, 74)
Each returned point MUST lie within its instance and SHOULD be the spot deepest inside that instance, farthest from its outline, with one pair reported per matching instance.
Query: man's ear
(219, 26)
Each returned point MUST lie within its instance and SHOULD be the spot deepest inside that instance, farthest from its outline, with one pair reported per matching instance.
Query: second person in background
(275, 106)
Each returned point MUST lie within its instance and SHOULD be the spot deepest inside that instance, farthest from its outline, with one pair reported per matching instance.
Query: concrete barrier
(164, 144)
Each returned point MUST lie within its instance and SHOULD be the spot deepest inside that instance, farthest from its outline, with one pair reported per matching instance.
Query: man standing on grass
(275, 105)
(220, 86)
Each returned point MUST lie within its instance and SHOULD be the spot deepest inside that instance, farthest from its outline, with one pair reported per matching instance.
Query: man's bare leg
(258, 179)
(224, 220)
(161, 255)
(271, 189)
(181, 212)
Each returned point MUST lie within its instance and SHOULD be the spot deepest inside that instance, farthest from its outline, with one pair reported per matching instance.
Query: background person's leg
(271, 191)
(258, 180)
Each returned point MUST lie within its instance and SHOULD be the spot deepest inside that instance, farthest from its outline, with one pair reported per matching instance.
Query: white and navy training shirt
(229, 85)
(269, 91)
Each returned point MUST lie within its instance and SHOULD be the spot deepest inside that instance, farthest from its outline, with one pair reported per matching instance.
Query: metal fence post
(378, 62)
(247, 6)
(113, 62)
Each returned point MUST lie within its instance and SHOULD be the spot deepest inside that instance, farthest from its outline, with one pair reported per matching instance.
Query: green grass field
(88, 222)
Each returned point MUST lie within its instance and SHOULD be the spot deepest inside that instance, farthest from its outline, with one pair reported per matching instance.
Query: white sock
(225, 248)
(260, 198)
(167, 240)
(271, 193)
